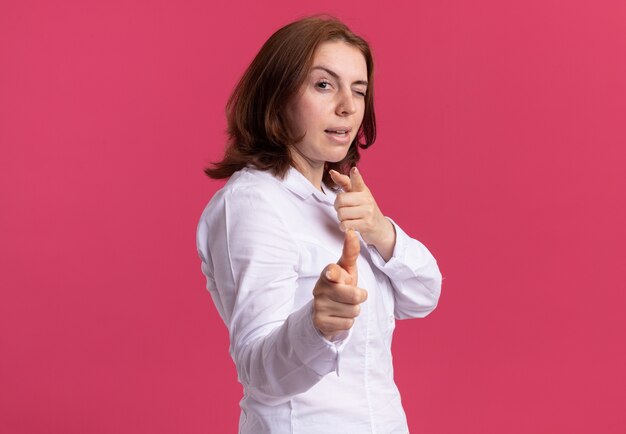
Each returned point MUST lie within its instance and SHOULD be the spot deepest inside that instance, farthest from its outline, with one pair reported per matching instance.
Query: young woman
(303, 267)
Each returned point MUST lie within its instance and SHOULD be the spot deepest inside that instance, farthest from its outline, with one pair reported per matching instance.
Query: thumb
(350, 253)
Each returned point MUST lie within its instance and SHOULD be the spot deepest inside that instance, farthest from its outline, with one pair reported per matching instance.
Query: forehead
(344, 59)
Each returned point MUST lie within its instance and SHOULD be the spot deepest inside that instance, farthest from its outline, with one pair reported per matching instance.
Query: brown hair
(258, 133)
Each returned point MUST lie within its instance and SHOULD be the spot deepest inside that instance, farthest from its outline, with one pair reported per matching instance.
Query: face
(329, 108)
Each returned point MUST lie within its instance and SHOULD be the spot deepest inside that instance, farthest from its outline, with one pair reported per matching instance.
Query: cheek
(361, 117)
(296, 120)
(303, 117)
(309, 112)
(362, 114)
(313, 106)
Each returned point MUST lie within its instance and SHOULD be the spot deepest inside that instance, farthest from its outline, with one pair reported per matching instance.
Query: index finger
(356, 180)
(342, 180)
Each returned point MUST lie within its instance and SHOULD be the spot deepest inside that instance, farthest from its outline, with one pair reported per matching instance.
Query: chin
(336, 158)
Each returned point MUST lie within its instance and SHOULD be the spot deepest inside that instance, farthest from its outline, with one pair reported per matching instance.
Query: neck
(313, 171)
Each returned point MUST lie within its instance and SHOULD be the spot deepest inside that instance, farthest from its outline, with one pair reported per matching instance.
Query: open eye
(323, 84)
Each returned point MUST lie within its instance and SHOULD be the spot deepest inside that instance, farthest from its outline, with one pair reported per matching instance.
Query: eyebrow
(336, 76)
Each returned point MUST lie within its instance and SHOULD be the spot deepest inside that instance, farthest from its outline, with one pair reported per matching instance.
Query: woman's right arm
(254, 261)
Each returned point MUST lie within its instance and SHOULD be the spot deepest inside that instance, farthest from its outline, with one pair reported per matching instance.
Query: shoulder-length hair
(258, 133)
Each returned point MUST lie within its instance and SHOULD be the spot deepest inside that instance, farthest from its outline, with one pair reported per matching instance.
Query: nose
(345, 103)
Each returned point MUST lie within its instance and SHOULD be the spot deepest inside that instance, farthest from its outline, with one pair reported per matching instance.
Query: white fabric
(263, 244)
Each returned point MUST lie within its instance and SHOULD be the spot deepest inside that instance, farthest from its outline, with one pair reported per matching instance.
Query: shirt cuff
(405, 260)
(310, 346)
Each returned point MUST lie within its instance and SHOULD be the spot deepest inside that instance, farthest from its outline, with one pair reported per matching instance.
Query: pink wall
(501, 147)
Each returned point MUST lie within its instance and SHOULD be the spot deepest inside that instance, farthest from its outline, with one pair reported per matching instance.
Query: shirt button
(390, 319)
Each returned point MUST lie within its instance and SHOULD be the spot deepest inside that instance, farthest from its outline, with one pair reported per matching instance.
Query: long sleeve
(251, 263)
(413, 273)
(263, 242)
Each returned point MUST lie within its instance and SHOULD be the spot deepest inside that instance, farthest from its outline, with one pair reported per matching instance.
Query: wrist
(386, 241)
(384, 236)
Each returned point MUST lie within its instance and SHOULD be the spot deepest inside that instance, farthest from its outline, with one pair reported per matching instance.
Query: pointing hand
(337, 299)
(357, 209)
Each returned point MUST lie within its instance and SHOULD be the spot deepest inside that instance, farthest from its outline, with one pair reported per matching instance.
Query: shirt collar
(297, 183)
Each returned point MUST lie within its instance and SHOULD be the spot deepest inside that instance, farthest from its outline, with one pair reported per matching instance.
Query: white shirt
(263, 244)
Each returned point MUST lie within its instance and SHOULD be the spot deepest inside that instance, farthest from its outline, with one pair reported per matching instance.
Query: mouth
(339, 132)
(339, 135)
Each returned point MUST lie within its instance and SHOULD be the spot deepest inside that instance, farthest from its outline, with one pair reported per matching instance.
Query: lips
(338, 131)
(339, 135)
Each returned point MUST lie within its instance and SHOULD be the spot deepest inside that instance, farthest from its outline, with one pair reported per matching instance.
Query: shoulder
(247, 191)
(247, 212)
(253, 181)
(251, 189)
